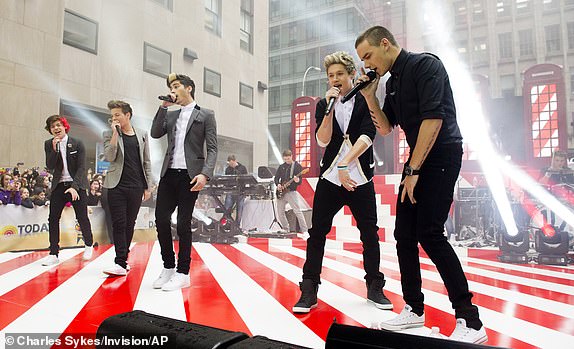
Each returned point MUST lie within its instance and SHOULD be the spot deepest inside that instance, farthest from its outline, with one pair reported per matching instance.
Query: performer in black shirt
(234, 168)
(287, 179)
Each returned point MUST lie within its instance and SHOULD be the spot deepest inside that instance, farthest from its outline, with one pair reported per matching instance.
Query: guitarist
(290, 171)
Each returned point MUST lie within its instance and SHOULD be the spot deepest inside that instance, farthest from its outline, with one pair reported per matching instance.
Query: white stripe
(521, 268)
(8, 256)
(507, 324)
(262, 313)
(345, 301)
(20, 276)
(548, 305)
(53, 313)
(156, 301)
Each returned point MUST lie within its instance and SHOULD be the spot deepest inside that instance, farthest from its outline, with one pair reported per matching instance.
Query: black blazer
(360, 124)
(76, 159)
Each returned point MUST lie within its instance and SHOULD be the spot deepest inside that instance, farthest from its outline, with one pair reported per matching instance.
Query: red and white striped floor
(251, 287)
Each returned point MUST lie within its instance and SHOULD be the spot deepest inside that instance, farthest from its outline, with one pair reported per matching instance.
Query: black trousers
(174, 191)
(107, 214)
(423, 223)
(124, 206)
(58, 201)
(329, 199)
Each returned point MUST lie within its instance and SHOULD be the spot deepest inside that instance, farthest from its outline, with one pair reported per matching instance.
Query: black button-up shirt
(419, 89)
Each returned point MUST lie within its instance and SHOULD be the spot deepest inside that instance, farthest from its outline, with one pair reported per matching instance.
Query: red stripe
(206, 303)
(20, 299)
(21, 261)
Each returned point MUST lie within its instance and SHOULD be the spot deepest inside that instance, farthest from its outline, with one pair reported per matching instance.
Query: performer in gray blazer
(188, 165)
(128, 180)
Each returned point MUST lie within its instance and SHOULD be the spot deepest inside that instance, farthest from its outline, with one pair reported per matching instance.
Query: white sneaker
(465, 334)
(177, 282)
(51, 259)
(406, 319)
(116, 270)
(88, 252)
(164, 277)
(435, 333)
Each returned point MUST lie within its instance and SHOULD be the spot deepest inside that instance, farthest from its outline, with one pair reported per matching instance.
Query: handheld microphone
(166, 98)
(361, 85)
(119, 130)
(58, 147)
(330, 105)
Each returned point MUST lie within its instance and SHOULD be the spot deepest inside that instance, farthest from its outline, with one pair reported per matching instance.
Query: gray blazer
(200, 144)
(115, 155)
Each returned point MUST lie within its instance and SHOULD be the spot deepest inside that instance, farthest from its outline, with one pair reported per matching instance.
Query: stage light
(513, 248)
(552, 246)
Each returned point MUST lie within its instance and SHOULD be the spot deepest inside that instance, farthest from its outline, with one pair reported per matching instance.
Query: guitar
(279, 193)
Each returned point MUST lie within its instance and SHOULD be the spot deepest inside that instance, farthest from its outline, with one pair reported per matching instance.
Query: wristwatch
(409, 171)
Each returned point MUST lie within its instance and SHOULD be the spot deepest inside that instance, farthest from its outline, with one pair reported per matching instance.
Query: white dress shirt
(66, 177)
(180, 131)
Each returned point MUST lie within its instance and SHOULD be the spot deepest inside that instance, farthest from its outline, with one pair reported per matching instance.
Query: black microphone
(330, 105)
(119, 130)
(165, 98)
(58, 147)
(361, 85)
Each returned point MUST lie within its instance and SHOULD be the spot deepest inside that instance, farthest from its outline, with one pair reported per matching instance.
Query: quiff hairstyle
(125, 107)
(340, 57)
(287, 152)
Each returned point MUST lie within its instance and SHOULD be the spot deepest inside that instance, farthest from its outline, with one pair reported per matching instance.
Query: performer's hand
(74, 193)
(409, 184)
(296, 179)
(198, 182)
(146, 195)
(346, 181)
(166, 104)
(55, 142)
(113, 126)
(279, 187)
(370, 89)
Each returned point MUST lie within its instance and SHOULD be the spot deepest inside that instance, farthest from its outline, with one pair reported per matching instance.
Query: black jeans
(58, 201)
(423, 223)
(329, 199)
(124, 206)
(174, 191)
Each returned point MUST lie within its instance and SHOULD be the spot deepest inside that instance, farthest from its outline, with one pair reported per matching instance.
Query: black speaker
(344, 336)
(261, 342)
(138, 329)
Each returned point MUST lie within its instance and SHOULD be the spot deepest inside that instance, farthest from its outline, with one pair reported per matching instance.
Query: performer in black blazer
(66, 160)
(347, 134)
(188, 164)
(127, 181)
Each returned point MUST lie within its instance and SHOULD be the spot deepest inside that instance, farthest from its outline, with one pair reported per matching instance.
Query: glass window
(503, 8)
(156, 61)
(274, 68)
(550, 4)
(245, 95)
(274, 38)
(213, 16)
(507, 85)
(211, 82)
(552, 34)
(505, 45)
(460, 12)
(168, 4)
(478, 11)
(571, 35)
(480, 54)
(274, 8)
(246, 30)
(523, 6)
(525, 42)
(544, 120)
(274, 100)
(80, 32)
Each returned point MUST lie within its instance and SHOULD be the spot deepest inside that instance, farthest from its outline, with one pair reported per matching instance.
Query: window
(507, 85)
(274, 68)
(525, 42)
(478, 11)
(523, 6)
(572, 80)
(274, 38)
(245, 95)
(211, 82)
(505, 45)
(480, 55)
(274, 98)
(213, 16)
(551, 4)
(544, 120)
(503, 8)
(552, 33)
(156, 61)
(246, 30)
(274, 9)
(80, 32)
(168, 4)
(462, 50)
(460, 12)
(570, 34)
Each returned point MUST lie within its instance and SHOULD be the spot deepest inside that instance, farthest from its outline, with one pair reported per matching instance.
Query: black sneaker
(308, 298)
(376, 296)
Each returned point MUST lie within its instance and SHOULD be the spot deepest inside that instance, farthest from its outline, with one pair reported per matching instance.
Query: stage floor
(251, 287)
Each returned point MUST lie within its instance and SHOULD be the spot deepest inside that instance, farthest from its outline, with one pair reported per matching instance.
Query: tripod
(275, 220)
